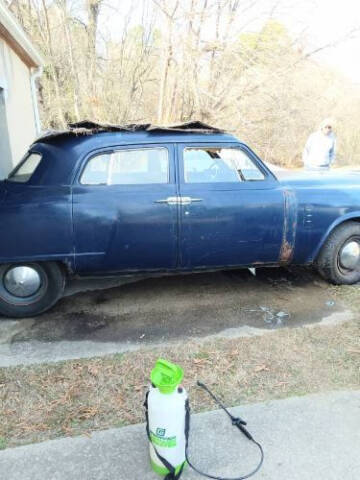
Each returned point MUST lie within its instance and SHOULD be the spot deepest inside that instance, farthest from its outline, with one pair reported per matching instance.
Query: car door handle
(170, 200)
(188, 200)
(179, 200)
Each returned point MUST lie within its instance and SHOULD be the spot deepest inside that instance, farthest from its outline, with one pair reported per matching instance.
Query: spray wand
(236, 421)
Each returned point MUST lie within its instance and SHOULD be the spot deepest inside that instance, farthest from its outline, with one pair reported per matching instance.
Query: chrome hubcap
(350, 255)
(22, 281)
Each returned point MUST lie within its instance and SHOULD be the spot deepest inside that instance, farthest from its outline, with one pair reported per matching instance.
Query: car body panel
(36, 224)
(2, 191)
(289, 227)
(121, 229)
(220, 227)
(325, 200)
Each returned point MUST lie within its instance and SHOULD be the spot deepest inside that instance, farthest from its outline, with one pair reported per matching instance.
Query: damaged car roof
(88, 128)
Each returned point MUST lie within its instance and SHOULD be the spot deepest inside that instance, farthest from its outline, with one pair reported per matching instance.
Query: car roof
(63, 150)
(107, 139)
(95, 135)
(143, 131)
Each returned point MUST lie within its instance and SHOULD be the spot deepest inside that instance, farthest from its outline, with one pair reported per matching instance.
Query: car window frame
(129, 147)
(238, 174)
(269, 180)
(20, 164)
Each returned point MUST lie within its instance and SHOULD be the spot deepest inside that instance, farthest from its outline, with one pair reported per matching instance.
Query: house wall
(5, 152)
(15, 81)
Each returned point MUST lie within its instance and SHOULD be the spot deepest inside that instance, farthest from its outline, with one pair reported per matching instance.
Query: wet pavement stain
(175, 307)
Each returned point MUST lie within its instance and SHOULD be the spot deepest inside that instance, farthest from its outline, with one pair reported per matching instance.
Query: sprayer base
(162, 470)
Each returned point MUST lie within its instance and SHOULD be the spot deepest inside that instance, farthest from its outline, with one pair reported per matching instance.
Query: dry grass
(349, 295)
(74, 397)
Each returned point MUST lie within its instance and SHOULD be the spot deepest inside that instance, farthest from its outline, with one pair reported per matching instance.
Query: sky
(326, 21)
(321, 22)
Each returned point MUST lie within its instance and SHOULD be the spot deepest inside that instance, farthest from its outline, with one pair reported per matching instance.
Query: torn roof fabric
(88, 127)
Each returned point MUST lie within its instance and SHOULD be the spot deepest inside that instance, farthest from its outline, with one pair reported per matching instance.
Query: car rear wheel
(28, 289)
(339, 259)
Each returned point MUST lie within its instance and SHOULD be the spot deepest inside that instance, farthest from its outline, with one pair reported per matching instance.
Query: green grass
(3, 443)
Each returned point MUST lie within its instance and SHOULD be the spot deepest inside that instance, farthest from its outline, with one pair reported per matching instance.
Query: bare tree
(169, 9)
(52, 65)
(172, 60)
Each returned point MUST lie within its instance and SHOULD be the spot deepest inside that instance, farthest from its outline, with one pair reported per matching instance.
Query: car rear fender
(2, 192)
(353, 216)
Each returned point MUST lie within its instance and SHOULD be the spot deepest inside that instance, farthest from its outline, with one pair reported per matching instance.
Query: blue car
(100, 200)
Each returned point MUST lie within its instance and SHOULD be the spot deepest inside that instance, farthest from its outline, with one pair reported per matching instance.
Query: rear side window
(128, 167)
(26, 169)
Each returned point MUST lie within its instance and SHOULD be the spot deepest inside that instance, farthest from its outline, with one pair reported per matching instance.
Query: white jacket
(319, 150)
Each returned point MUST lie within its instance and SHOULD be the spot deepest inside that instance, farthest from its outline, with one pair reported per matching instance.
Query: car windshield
(26, 169)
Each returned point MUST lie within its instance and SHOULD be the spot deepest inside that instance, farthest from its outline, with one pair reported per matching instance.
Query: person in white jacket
(320, 149)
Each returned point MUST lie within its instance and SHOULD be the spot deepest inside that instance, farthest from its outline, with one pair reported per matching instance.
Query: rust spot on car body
(286, 252)
(290, 226)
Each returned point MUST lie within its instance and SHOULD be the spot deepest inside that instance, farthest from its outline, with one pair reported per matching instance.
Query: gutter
(35, 73)
(12, 32)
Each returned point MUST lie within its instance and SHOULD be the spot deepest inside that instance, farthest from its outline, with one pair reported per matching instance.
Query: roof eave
(14, 35)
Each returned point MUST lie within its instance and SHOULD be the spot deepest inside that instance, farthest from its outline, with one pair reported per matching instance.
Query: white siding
(15, 79)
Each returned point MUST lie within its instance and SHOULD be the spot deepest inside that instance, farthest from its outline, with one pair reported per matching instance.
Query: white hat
(327, 121)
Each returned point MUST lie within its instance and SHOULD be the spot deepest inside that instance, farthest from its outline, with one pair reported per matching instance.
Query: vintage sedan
(141, 200)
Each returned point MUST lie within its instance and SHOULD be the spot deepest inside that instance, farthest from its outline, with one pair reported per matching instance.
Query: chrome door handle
(188, 200)
(170, 200)
(178, 200)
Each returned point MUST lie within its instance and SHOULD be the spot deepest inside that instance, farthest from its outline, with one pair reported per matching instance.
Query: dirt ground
(162, 310)
(218, 326)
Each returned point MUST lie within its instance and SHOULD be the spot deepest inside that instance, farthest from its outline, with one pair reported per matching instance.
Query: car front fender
(354, 216)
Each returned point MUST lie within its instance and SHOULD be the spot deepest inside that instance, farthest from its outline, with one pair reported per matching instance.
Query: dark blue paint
(325, 200)
(36, 223)
(233, 223)
(121, 229)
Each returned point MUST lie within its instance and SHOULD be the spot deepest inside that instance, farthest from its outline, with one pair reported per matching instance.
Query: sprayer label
(160, 440)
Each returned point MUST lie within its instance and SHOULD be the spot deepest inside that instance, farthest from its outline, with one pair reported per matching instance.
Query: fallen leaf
(93, 370)
(261, 368)
(353, 350)
(139, 388)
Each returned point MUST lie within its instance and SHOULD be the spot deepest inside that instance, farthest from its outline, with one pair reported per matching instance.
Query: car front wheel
(29, 289)
(339, 259)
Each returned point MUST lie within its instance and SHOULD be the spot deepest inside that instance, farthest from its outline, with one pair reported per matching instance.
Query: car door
(232, 208)
(123, 221)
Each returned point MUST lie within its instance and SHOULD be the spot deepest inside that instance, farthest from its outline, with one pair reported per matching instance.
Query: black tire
(328, 262)
(51, 287)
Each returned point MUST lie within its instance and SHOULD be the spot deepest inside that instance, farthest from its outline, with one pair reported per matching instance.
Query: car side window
(26, 169)
(128, 167)
(217, 164)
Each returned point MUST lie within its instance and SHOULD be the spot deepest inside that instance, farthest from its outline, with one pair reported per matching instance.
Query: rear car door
(123, 221)
(232, 208)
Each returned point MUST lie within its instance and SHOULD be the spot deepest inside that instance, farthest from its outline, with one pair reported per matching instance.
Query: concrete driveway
(99, 317)
(313, 437)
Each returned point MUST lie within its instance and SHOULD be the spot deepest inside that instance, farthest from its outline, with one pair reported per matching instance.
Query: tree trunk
(93, 8)
(53, 70)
